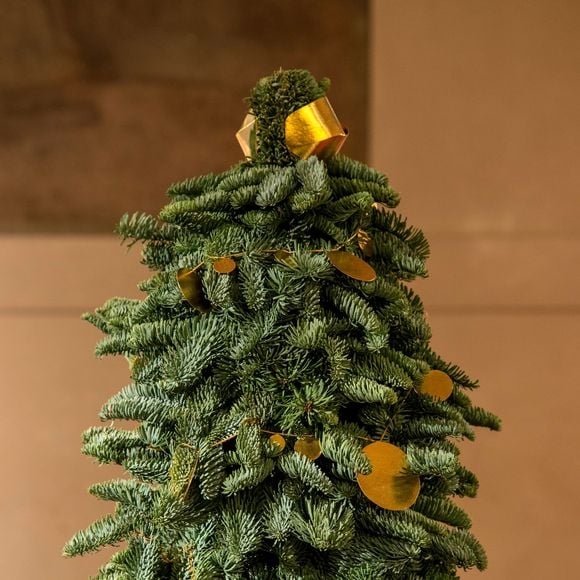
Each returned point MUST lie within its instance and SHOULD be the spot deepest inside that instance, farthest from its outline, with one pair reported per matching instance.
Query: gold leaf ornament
(437, 384)
(131, 360)
(388, 485)
(365, 243)
(286, 257)
(314, 129)
(381, 207)
(246, 135)
(224, 265)
(308, 446)
(278, 439)
(351, 265)
(191, 287)
(182, 469)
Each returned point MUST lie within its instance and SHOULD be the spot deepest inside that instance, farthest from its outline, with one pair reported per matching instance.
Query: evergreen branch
(110, 445)
(431, 460)
(298, 466)
(195, 185)
(108, 531)
(442, 510)
(461, 548)
(364, 390)
(479, 417)
(276, 187)
(325, 525)
(247, 477)
(344, 449)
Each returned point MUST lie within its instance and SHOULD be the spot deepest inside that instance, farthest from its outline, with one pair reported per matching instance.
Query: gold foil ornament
(365, 243)
(182, 469)
(437, 384)
(131, 360)
(192, 289)
(246, 135)
(388, 485)
(286, 257)
(380, 207)
(351, 265)
(278, 440)
(309, 446)
(314, 129)
(224, 265)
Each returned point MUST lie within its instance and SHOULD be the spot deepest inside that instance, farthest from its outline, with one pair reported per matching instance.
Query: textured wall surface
(103, 104)
(475, 117)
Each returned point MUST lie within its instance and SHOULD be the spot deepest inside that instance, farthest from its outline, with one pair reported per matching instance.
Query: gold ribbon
(314, 130)
(310, 130)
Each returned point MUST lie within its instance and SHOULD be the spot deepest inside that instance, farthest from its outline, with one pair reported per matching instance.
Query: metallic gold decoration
(314, 130)
(387, 485)
(365, 243)
(131, 359)
(224, 265)
(285, 257)
(278, 440)
(192, 289)
(246, 135)
(351, 265)
(182, 469)
(309, 446)
(380, 207)
(437, 384)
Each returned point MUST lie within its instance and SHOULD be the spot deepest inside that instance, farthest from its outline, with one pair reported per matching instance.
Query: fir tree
(262, 368)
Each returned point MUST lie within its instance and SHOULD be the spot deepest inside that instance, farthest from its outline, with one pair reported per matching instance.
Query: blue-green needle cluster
(290, 346)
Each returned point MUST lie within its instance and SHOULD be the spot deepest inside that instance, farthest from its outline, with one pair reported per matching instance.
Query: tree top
(271, 101)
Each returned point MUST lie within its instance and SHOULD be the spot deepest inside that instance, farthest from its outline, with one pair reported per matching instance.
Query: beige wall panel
(66, 273)
(526, 513)
(475, 117)
(52, 389)
(474, 112)
(502, 272)
(77, 273)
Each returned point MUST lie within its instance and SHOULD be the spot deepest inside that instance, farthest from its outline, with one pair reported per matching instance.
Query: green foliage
(271, 101)
(324, 524)
(292, 346)
(298, 466)
(109, 530)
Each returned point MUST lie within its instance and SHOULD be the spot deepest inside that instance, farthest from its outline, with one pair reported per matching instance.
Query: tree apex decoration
(313, 129)
(293, 420)
(289, 118)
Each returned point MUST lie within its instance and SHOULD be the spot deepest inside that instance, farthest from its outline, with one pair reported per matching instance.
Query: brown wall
(104, 103)
(475, 116)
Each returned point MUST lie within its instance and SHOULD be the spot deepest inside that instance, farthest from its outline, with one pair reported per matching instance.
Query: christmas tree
(293, 421)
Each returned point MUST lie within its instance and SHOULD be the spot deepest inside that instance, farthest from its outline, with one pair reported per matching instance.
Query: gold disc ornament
(278, 439)
(388, 485)
(309, 446)
(437, 384)
(224, 265)
(351, 265)
(192, 289)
